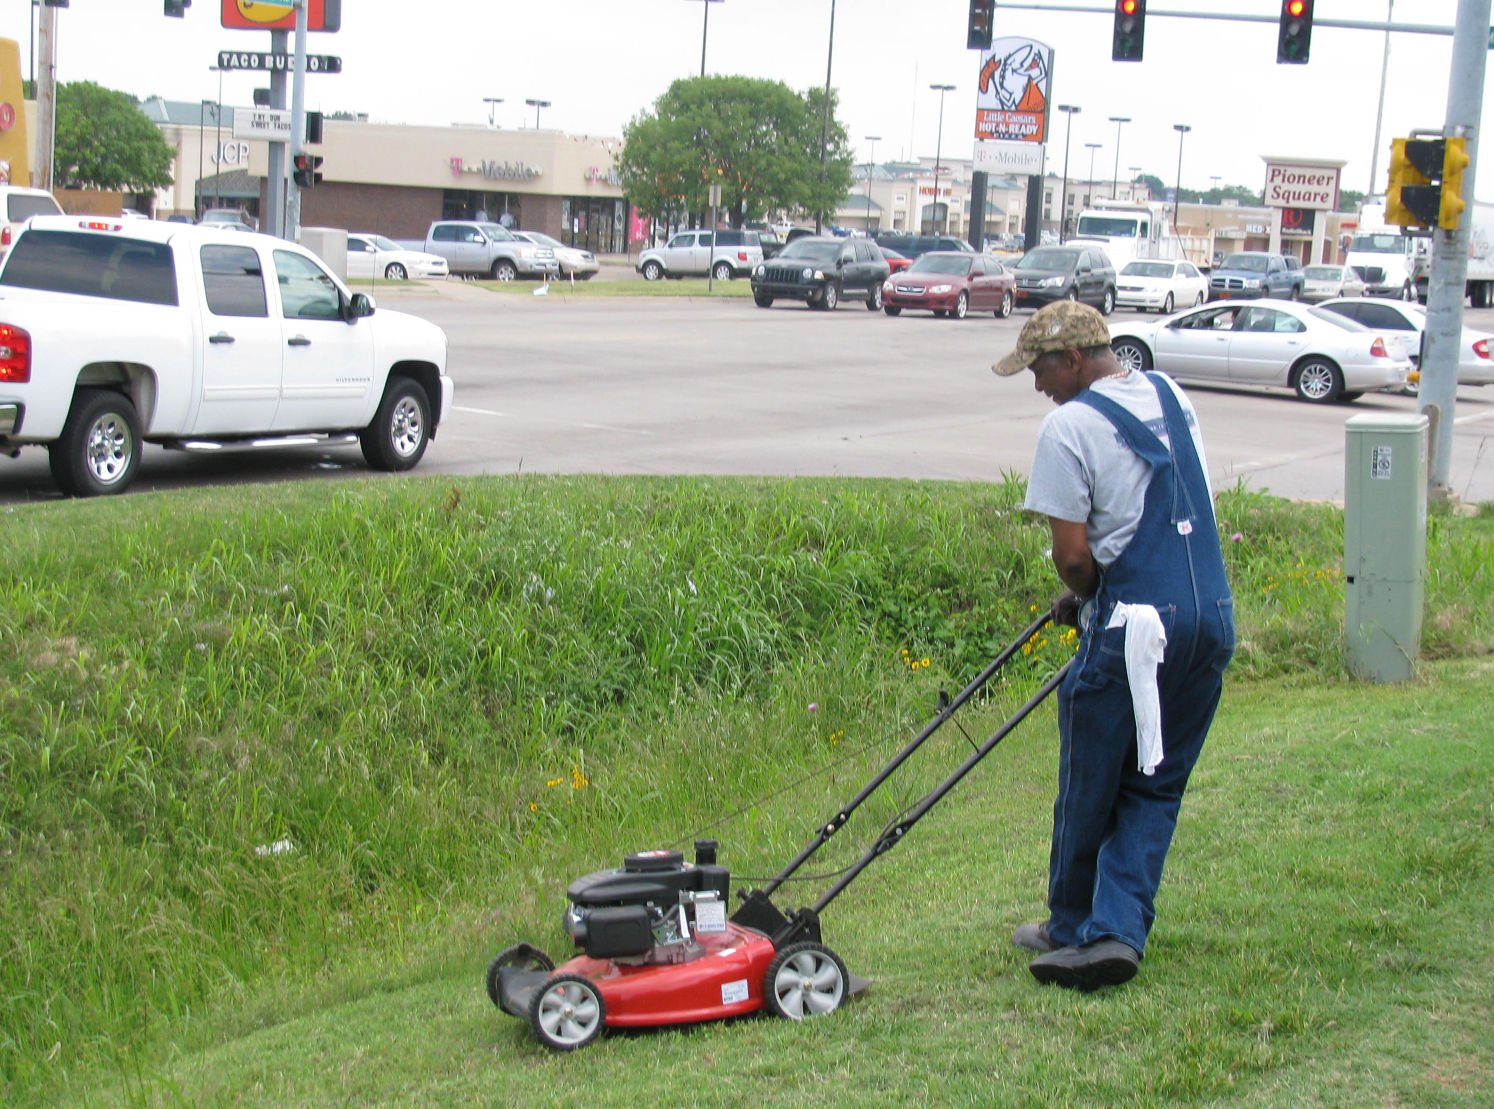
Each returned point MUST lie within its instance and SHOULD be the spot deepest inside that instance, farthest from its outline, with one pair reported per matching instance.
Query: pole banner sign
(279, 15)
(1016, 81)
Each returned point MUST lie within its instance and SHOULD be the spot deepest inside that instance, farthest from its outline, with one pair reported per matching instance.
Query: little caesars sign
(1301, 186)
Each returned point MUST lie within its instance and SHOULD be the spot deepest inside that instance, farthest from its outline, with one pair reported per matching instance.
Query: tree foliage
(104, 141)
(758, 139)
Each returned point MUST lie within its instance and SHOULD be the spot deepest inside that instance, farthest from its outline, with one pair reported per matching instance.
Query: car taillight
(741, 256)
(1481, 348)
(99, 225)
(15, 354)
(5, 235)
(1377, 348)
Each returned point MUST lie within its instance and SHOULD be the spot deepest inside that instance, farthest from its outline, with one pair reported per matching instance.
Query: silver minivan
(724, 254)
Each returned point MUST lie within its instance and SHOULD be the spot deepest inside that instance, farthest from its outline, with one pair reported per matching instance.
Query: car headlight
(809, 273)
(938, 289)
(887, 285)
(1252, 282)
(1051, 282)
(759, 270)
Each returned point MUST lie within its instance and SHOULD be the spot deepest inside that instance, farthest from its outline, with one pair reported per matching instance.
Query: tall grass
(242, 738)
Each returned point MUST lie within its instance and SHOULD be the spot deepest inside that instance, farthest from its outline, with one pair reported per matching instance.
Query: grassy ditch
(282, 770)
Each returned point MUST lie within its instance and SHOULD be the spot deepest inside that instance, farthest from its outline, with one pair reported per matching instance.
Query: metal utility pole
(1380, 111)
(298, 125)
(272, 221)
(819, 215)
(46, 98)
(1439, 362)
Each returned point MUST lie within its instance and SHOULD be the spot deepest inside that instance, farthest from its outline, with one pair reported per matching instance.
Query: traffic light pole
(1448, 284)
(298, 126)
(1318, 21)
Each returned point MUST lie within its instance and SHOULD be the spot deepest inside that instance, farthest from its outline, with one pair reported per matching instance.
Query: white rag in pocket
(1145, 641)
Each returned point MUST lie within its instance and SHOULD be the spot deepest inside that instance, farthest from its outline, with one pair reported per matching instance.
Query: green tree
(104, 141)
(759, 140)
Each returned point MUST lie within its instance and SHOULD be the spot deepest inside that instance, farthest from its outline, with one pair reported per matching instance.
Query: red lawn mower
(657, 946)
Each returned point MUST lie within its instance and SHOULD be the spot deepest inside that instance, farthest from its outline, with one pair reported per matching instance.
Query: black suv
(1069, 272)
(822, 271)
(911, 246)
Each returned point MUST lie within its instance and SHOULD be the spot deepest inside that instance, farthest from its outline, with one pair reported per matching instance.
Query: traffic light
(1294, 38)
(1454, 162)
(978, 36)
(313, 128)
(1130, 29)
(1414, 198)
(304, 170)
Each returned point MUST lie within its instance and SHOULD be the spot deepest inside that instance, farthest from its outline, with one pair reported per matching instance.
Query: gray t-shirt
(1083, 471)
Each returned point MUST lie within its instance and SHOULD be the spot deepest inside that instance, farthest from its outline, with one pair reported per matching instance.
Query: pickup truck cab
(116, 332)
(1252, 274)
(477, 249)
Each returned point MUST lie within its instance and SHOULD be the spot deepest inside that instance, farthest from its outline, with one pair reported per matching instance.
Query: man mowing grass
(1119, 472)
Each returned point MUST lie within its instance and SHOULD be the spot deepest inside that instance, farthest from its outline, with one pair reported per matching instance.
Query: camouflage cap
(1062, 325)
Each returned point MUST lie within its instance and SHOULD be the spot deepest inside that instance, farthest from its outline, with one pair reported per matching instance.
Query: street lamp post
(1119, 122)
(1063, 199)
(1177, 192)
(537, 105)
(939, 150)
(492, 102)
(197, 204)
(819, 214)
(1135, 172)
(218, 140)
(870, 165)
(1090, 184)
(705, 25)
(1214, 180)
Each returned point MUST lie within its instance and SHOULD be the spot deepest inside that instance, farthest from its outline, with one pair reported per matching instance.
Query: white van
(17, 205)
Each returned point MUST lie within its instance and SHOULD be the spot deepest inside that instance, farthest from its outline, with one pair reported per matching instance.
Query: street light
(1115, 180)
(218, 139)
(492, 102)
(819, 214)
(1063, 199)
(939, 148)
(1135, 172)
(705, 25)
(1177, 192)
(1214, 180)
(1091, 147)
(537, 105)
(870, 165)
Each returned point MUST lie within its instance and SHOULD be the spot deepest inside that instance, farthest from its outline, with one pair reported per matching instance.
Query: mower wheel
(567, 1012)
(805, 980)
(520, 956)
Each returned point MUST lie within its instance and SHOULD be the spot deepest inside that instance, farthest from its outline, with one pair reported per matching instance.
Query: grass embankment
(452, 697)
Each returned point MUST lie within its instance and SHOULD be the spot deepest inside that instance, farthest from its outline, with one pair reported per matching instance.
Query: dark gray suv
(823, 271)
(1069, 272)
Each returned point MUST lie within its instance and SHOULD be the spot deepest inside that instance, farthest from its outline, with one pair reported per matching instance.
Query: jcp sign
(231, 154)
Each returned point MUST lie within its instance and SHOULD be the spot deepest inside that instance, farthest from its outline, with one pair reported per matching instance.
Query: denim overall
(1112, 825)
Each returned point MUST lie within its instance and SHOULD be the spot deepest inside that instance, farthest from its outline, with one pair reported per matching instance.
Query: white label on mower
(710, 916)
(732, 992)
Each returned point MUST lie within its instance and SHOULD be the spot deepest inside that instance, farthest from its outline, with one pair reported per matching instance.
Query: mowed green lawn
(451, 697)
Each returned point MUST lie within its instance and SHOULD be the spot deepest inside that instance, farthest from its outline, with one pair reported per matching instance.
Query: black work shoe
(1034, 937)
(1106, 963)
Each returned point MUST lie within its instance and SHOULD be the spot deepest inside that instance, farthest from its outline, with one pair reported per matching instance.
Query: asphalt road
(561, 384)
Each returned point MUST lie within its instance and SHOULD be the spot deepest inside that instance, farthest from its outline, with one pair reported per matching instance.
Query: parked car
(371, 255)
(573, 261)
(1475, 367)
(950, 284)
(1325, 282)
(17, 205)
(895, 260)
(1321, 355)
(723, 254)
(1161, 284)
(1250, 274)
(1052, 273)
(220, 217)
(822, 271)
(911, 246)
(473, 248)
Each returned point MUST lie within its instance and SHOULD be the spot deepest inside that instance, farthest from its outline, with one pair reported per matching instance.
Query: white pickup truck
(116, 332)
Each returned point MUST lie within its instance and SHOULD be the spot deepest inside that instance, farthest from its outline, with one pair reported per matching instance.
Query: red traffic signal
(1129, 32)
(1294, 36)
(304, 169)
(978, 31)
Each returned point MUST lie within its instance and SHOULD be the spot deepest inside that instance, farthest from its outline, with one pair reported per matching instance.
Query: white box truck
(1396, 263)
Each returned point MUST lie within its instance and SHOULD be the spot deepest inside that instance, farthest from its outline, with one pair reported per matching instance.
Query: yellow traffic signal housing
(1402, 174)
(1451, 204)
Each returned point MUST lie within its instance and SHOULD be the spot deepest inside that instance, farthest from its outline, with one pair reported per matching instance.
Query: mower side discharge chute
(656, 945)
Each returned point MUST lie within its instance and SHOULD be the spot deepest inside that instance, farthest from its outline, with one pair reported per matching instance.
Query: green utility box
(1385, 543)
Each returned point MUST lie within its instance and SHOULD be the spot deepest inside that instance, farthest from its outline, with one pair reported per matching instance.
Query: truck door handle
(298, 341)
(221, 337)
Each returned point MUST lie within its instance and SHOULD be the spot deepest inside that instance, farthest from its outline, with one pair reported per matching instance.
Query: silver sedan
(1475, 366)
(1322, 356)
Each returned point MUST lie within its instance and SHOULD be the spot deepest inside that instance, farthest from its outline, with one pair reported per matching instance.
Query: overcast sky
(600, 62)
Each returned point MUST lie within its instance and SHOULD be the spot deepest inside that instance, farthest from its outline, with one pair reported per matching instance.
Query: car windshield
(1053, 259)
(1147, 269)
(382, 243)
(811, 250)
(497, 232)
(1378, 244)
(1250, 263)
(1323, 273)
(940, 263)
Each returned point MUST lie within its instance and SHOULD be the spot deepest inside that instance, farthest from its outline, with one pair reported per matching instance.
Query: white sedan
(1326, 282)
(1475, 367)
(1321, 355)
(1160, 284)
(573, 262)
(371, 255)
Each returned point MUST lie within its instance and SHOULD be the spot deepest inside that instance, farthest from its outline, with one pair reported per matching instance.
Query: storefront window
(480, 205)
(594, 223)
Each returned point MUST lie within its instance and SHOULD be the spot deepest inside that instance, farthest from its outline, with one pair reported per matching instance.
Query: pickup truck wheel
(99, 449)
(1318, 381)
(652, 271)
(504, 270)
(722, 272)
(395, 272)
(401, 429)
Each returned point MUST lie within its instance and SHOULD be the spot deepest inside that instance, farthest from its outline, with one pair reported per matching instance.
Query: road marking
(546, 419)
(479, 411)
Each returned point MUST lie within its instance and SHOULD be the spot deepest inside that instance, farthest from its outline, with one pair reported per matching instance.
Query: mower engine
(650, 909)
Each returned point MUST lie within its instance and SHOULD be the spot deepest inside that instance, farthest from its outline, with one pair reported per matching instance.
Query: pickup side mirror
(359, 305)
